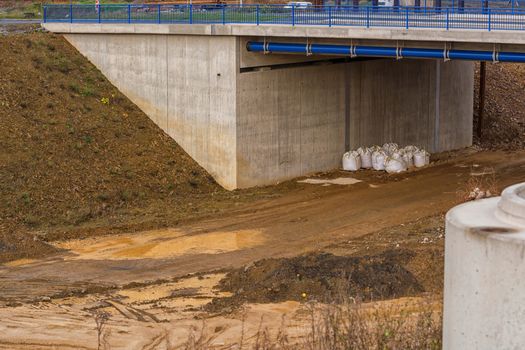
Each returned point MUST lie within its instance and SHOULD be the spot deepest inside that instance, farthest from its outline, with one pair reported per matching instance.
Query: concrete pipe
(484, 296)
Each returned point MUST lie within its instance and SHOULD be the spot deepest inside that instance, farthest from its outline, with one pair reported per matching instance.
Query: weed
(25, 198)
(198, 342)
(31, 220)
(74, 87)
(63, 65)
(70, 128)
(125, 195)
(60, 64)
(101, 319)
(83, 215)
(87, 139)
(87, 91)
(481, 184)
(104, 100)
(103, 196)
(37, 60)
(349, 325)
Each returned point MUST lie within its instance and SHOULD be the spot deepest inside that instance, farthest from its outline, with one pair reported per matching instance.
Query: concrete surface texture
(268, 123)
(484, 296)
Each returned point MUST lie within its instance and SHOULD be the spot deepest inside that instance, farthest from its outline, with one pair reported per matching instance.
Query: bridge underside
(253, 119)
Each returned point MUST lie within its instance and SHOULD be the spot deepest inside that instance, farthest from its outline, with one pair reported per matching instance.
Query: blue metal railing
(479, 18)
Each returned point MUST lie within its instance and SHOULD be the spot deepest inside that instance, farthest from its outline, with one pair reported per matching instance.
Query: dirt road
(304, 220)
(307, 219)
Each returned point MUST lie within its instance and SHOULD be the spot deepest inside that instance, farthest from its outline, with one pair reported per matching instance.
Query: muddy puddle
(342, 181)
(160, 244)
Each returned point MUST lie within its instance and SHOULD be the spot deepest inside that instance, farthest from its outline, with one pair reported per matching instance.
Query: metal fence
(481, 18)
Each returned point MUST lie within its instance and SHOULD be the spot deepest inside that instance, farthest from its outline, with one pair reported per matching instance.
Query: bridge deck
(425, 35)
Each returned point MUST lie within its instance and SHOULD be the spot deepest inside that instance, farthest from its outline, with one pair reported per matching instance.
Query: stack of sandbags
(390, 158)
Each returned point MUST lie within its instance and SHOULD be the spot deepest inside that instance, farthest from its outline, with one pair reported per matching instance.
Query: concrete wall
(252, 127)
(456, 104)
(185, 84)
(392, 101)
(396, 101)
(290, 122)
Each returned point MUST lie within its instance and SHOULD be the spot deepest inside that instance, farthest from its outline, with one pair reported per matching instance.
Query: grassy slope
(69, 160)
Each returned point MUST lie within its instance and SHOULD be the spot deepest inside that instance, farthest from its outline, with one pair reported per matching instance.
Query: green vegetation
(21, 9)
(33, 9)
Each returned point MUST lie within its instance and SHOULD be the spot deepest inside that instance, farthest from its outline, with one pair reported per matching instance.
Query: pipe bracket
(446, 52)
(399, 51)
(495, 53)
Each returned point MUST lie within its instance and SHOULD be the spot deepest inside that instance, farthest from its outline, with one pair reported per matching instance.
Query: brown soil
(423, 237)
(19, 244)
(70, 158)
(126, 275)
(504, 116)
(399, 261)
(322, 277)
(72, 165)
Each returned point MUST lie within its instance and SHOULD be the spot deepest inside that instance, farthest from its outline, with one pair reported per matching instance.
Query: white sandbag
(390, 148)
(395, 165)
(421, 158)
(351, 161)
(366, 157)
(375, 148)
(378, 160)
(408, 158)
(411, 148)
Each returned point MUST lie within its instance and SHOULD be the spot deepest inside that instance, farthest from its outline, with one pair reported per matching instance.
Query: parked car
(385, 3)
(299, 5)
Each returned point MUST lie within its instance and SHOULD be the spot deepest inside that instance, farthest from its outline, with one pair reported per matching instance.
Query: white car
(300, 5)
(385, 3)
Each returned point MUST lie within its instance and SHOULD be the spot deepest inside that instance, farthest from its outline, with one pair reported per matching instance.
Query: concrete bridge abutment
(251, 119)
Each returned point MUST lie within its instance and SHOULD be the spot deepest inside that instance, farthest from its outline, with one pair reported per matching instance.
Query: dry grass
(351, 326)
(481, 184)
(341, 327)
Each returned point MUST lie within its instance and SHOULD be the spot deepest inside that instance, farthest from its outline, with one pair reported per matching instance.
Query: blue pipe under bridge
(380, 51)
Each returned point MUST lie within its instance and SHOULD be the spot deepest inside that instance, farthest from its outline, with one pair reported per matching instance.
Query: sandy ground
(155, 283)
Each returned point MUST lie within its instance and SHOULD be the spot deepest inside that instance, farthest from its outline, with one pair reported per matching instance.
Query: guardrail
(359, 16)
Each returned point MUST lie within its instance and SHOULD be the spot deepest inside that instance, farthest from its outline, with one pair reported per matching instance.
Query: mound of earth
(321, 277)
(76, 153)
(19, 244)
(504, 118)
